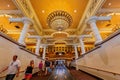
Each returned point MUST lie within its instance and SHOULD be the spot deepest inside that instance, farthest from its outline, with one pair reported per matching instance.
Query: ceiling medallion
(59, 20)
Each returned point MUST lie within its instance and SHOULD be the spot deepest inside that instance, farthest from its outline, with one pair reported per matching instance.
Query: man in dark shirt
(47, 65)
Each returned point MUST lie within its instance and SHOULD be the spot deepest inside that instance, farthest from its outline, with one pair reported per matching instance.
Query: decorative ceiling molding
(50, 30)
(84, 14)
(109, 10)
(10, 12)
(26, 7)
(31, 30)
(70, 30)
(96, 4)
(23, 6)
(59, 41)
(58, 33)
(13, 31)
(88, 30)
(91, 9)
(105, 30)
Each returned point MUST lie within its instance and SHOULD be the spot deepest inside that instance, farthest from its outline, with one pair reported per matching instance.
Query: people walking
(29, 70)
(13, 68)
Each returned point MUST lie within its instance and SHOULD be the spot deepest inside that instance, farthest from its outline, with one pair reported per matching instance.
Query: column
(37, 46)
(44, 52)
(76, 53)
(27, 22)
(82, 45)
(92, 22)
(76, 56)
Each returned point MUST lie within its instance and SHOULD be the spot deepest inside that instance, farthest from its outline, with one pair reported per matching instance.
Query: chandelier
(59, 20)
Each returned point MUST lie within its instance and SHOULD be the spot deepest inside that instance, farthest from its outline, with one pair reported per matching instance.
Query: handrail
(19, 72)
(15, 42)
(89, 52)
(100, 70)
(28, 51)
(10, 39)
(100, 44)
(4, 75)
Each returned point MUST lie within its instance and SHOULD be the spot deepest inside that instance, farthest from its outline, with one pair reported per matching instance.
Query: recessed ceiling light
(8, 5)
(75, 11)
(43, 11)
(109, 4)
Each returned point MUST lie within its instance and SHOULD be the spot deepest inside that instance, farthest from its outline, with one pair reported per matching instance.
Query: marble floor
(62, 73)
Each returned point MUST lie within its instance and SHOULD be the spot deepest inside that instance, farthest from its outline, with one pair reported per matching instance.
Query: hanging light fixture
(59, 20)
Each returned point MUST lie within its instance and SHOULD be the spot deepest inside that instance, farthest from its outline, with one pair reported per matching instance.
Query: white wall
(106, 58)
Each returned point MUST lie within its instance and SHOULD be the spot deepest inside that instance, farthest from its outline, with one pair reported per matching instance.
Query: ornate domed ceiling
(59, 20)
(48, 14)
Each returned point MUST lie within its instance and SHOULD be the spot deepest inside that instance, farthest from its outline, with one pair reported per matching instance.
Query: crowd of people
(45, 68)
(13, 69)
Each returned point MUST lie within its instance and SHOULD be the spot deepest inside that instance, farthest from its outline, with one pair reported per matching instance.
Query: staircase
(62, 73)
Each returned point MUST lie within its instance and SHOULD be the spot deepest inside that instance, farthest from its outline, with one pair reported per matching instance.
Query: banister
(109, 37)
(15, 42)
(100, 70)
(100, 44)
(10, 39)
(19, 72)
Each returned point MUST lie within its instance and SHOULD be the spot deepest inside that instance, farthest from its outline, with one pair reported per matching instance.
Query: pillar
(27, 22)
(76, 53)
(44, 52)
(92, 22)
(37, 46)
(82, 45)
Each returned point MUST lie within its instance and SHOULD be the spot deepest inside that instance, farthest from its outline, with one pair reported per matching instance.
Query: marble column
(27, 23)
(44, 52)
(37, 46)
(92, 22)
(82, 45)
(76, 53)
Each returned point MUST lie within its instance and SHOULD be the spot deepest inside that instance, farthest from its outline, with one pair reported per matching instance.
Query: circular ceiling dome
(59, 20)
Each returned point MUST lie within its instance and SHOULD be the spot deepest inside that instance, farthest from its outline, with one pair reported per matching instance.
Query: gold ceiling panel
(110, 24)
(44, 7)
(111, 4)
(9, 26)
(7, 5)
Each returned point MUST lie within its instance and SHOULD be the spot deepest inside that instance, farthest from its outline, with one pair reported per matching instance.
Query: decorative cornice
(10, 12)
(26, 7)
(109, 10)
(91, 9)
